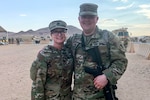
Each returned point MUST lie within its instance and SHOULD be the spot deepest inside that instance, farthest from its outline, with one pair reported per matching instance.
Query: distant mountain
(44, 32)
(73, 30)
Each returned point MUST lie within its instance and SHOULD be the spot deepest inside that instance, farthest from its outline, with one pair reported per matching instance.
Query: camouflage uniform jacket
(113, 59)
(51, 73)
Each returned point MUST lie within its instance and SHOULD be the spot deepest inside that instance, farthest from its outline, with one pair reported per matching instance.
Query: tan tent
(4, 33)
(2, 29)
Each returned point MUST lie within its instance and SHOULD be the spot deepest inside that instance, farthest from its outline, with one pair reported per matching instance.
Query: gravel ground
(15, 62)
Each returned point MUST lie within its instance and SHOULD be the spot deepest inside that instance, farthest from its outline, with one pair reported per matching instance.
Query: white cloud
(144, 6)
(108, 23)
(120, 0)
(22, 15)
(125, 7)
(145, 10)
(141, 26)
(108, 20)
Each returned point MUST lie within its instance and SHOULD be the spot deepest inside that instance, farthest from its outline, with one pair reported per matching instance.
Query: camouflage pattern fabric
(126, 41)
(51, 73)
(113, 59)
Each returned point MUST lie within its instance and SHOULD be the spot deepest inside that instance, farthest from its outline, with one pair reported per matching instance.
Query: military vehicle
(36, 39)
(123, 34)
(145, 39)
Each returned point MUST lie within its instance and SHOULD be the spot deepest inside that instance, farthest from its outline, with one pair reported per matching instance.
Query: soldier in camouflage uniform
(112, 60)
(51, 72)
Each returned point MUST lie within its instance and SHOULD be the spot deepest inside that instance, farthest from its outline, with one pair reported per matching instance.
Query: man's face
(88, 23)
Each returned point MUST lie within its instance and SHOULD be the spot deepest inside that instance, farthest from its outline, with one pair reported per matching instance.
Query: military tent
(2, 29)
(3, 35)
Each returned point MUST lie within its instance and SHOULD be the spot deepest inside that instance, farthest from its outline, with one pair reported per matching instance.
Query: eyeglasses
(58, 32)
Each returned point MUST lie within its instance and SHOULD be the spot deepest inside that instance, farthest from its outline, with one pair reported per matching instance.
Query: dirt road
(15, 62)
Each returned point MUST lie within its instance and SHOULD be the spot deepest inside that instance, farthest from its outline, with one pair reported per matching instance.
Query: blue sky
(22, 15)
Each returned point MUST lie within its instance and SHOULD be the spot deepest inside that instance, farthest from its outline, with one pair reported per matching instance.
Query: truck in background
(123, 34)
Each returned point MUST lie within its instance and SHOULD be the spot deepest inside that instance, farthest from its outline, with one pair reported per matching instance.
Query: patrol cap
(57, 24)
(88, 9)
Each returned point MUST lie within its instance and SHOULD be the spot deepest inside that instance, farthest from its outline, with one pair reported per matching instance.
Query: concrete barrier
(130, 47)
(142, 49)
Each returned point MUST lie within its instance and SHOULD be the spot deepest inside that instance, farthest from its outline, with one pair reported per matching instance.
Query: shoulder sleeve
(38, 73)
(118, 60)
(38, 63)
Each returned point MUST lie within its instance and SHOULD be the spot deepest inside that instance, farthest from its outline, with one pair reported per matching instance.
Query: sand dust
(15, 63)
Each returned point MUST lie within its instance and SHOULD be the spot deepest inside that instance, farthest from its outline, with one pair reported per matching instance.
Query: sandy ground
(15, 62)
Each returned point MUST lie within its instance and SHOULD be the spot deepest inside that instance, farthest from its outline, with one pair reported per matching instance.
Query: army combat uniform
(112, 56)
(51, 73)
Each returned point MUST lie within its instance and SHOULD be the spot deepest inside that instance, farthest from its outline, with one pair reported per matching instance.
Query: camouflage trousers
(90, 96)
(88, 99)
(57, 97)
(42, 96)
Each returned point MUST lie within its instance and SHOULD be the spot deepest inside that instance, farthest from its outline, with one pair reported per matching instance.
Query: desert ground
(16, 60)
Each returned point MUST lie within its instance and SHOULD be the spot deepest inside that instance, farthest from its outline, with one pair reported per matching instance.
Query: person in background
(99, 58)
(51, 72)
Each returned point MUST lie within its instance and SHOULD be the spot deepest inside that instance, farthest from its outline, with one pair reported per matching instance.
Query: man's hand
(100, 81)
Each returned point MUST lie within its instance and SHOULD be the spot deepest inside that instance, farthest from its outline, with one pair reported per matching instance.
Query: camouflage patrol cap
(88, 9)
(57, 24)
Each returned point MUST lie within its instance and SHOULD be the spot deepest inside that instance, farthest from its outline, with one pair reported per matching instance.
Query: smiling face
(88, 23)
(58, 35)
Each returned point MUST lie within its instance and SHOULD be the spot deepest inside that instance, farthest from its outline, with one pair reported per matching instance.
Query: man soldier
(99, 58)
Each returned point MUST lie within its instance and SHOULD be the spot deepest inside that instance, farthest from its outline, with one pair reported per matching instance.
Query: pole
(7, 37)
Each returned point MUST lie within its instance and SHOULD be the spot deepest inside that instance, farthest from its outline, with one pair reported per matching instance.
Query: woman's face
(58, 35)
